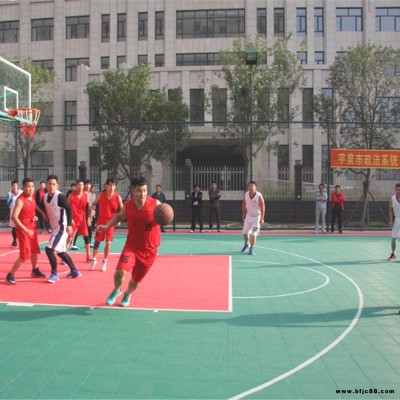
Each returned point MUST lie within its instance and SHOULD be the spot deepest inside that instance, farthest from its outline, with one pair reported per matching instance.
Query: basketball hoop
(29, 118)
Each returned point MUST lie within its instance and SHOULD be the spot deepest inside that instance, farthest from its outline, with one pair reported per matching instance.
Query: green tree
(42, 86)
(136, 122)
(257, 93)
(365, 80)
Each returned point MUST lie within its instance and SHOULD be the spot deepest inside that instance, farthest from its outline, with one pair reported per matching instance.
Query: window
(9, 32)
(318, 21)
(308, 107)
(197, 106)
(78, 27)
(142, 59)
(70, 115)
(105, 62)
(349, 20)
(49, 64)
(308, 155)
(42, 159)
(328, 112)
(105, 28)
(94, 156)
(71, 158)
(42, 29)
(261, 20)
(187, 59)
(308, 163)
(283, 162)
(142, 26)
(279, 21)
(210, 23)
(46, 117)
(301, 21)
(71, 67)
(219, 105)
(387, 19)
(302, 57)
(7, 159)
(120, 60)
(159, 25)
(159, 60)
(319, 57)
(93, 114)
(175, 94)
(121, 34)
(283, 104)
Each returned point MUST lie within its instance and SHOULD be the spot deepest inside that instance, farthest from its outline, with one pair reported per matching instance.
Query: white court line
(327, 280)
(323, 351)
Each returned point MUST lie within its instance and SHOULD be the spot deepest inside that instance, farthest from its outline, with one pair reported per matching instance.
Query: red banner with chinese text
(355, 158)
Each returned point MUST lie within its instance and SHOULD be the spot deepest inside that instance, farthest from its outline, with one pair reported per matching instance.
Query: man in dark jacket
(215, 194)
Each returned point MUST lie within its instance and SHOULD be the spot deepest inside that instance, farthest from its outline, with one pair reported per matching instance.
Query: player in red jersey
(109, 203)
(79, 202)
(141, 244)
(24, 217)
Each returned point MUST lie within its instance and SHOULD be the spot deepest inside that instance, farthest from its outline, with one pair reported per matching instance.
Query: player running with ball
(141, 244)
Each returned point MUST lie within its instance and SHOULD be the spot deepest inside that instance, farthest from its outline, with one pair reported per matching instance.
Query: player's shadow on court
(294, 319)
(32, 315)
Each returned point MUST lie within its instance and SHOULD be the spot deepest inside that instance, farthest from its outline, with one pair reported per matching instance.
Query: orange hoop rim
(30, 115)
(29, 118)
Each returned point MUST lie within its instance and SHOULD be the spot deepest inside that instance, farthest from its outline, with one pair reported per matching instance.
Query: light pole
(251, 59)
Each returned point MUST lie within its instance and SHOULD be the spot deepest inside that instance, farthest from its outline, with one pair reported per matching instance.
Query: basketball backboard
(15, 89)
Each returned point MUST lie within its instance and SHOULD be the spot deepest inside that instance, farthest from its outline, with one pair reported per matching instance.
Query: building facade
(79, 39)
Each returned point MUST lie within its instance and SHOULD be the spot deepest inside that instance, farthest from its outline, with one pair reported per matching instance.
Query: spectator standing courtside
(160, 196)
(321, 198)
(12, 196)
(337, 199)
(214, 194)
(196, 200)
(394, 220)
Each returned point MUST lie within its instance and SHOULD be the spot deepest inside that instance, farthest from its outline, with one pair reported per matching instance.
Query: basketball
(163, 214)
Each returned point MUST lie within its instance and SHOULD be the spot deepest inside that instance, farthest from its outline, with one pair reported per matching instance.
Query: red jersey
(107, 207)
(143, 232)
(78, 206)
(28, 212)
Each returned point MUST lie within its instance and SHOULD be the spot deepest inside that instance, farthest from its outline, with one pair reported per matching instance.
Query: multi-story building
(79, 39)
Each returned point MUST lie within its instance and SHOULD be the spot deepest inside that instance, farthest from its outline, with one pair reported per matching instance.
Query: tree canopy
(365, 82)
(135, 121)
(258, 93)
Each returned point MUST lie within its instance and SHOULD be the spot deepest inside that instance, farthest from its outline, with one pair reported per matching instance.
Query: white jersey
(13, 198)
(57, 215)
(58, 222)
(253, 210)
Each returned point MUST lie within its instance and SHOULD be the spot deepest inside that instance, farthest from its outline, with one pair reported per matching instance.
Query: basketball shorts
(138, 262)
(58, 240)
(28, 245)
(396, 229)
(252, 226)
(80, 228)
(108, 235)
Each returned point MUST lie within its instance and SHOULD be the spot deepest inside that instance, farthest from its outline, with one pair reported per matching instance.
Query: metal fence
(273, 170)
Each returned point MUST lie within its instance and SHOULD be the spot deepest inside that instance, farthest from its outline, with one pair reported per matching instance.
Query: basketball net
(26, 114)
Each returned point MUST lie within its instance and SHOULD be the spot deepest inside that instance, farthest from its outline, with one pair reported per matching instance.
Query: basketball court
(307, 316)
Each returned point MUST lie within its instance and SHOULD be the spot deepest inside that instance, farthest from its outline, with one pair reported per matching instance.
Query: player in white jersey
(12, 196)
(253, 213)
(59, 213)
(394, 211)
